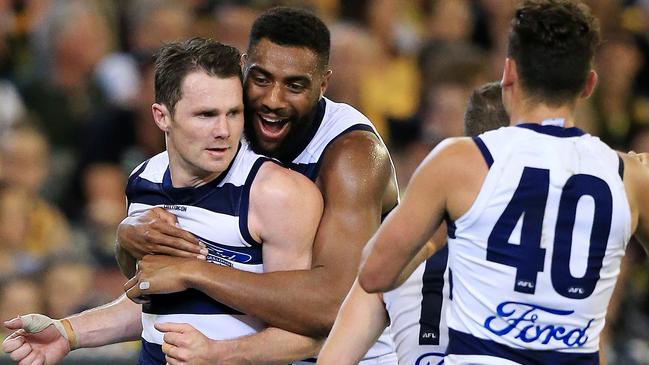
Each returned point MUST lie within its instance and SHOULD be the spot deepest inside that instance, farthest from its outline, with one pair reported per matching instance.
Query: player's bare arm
(114, 322)
(346, 344)
(454, 162)
(186, 345)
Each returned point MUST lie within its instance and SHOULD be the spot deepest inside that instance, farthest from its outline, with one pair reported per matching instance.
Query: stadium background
(75, 96)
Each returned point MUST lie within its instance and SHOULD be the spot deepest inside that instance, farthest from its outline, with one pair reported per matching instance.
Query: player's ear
(510, 74)
(161, 116)
(243, 61)
(325, 82)
(591, 81)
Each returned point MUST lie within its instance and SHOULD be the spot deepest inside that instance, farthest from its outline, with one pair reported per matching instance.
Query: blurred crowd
(76, 89)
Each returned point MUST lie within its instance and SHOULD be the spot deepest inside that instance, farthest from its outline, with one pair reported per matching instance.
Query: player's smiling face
(283, 85)
(204, 131)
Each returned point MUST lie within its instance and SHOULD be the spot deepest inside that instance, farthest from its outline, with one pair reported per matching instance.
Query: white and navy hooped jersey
(535, 258)
(217, 214)
(334, 120)
(417, 313)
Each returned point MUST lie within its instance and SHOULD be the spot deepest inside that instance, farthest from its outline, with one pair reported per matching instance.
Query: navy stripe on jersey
(189, 301)
(153, 194)
(464, 344)
(485, 151)
(245, 200)
(151, 354)
(620, 169)
(432, 298)
(312, 169)
(130, 190)
(450, 226)
(450, 283)
(553, 130)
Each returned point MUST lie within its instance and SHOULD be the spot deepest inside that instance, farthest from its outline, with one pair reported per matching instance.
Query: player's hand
(183, 344)
(642, 157)
(159, 274)
(35, 340)
(156, 232)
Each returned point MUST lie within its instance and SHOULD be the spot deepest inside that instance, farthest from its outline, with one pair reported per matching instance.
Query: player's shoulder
(283, 186)
(337, 111)
(455, 147)
(152, 170)
(457, 157)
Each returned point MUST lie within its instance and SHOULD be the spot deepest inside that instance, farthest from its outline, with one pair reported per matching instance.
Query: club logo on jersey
(528, 321)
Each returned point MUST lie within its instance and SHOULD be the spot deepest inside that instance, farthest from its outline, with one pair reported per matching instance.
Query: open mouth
(272, 127)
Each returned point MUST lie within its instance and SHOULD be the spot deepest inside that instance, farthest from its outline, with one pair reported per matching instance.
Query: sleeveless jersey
(217, 214)
(417, 313)
(333, 120)
(535, 258)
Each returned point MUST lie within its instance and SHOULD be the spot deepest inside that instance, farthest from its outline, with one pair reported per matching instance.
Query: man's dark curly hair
(553, 43)
(294, 28)
(174, 61)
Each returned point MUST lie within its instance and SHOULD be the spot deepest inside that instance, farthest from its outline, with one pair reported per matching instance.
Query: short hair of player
(485, 110)
(294, 28)
(553, 43)
(176, 60)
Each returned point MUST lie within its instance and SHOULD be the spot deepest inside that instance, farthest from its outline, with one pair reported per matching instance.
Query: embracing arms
(355, 179)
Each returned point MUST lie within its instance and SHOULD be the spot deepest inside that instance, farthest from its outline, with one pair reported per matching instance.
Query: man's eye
(260, 80)
(295, 87)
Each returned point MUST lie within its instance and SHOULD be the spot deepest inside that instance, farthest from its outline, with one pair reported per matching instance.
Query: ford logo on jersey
(217, 252)
(524, 318)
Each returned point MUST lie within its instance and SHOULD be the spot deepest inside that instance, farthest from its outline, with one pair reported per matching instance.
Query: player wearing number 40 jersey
(539, 213)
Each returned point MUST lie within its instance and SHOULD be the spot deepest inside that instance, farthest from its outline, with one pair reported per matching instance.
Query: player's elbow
(375, 282)
(324, 322)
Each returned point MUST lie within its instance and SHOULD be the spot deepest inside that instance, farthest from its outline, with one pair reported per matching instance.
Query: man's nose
(221, 128)
(274, 98)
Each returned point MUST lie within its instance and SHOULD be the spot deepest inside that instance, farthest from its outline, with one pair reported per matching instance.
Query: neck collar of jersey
(553, 130)
(315, 125)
